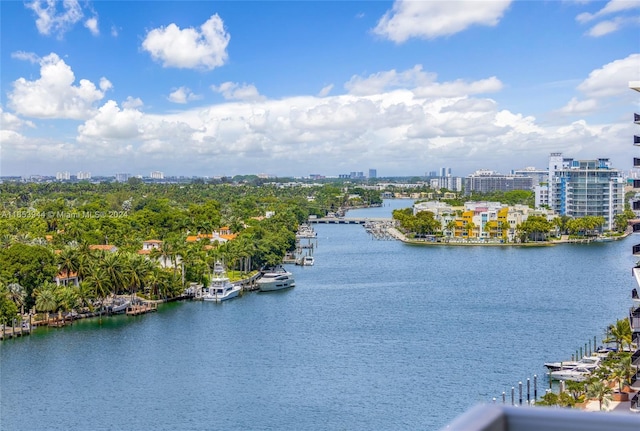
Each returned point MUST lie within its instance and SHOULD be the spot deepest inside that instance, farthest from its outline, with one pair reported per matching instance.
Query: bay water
(376, 335)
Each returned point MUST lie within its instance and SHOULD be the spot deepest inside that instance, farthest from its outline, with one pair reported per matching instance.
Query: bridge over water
(349, 220)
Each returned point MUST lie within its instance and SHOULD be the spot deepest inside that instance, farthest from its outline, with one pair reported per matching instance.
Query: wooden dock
(136, 310)
(13, 332)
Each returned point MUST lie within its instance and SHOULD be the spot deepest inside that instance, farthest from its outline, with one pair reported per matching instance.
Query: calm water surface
(377, 335)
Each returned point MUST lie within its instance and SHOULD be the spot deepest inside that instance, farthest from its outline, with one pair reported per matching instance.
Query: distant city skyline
(293, 88)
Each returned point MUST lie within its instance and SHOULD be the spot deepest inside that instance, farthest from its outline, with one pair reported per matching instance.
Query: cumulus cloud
(132, 103)
(424, 84)
(235, 91)
(183, 95)
(92, 25)
(432, 19)
(613, 78)
(189, 48)
(609, 81)
(51, 20)
(576, 106)
(111, 122)
(54, 94)
(382, 81)
(412, 120)
(9, 121)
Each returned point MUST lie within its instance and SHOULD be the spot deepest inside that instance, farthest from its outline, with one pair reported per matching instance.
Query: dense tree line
(47, 229)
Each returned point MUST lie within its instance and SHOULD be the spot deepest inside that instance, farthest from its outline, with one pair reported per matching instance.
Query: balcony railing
(507, 418)
(634, 320)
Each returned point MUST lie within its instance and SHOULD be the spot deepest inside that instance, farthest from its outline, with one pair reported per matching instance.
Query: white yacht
(577, 374)
(307, 261)
(586, 362)
(306, 231)
(276, 278)
(220, 288)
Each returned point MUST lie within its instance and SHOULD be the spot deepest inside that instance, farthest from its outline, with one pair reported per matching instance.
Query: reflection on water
(375, 335)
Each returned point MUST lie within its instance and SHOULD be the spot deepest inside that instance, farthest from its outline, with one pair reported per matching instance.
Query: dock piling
(520, 391)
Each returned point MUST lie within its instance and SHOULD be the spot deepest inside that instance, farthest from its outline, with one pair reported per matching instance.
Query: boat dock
(14, 331)
(136, 310)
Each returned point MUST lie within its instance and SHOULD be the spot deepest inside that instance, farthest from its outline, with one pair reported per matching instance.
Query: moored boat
(276, 278)
(577, 374)
(118, 305)
(220, 288)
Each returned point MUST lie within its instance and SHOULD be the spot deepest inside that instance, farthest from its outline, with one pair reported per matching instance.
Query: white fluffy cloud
(610, 80)
(111, 122)
(235, 91)
(397, 118)
(9, 121)
(183, 95)
(54, 94)
(619, 9)
(613, 78)
(189, 48)
(92, 25)
(432, 19)
(50, 19)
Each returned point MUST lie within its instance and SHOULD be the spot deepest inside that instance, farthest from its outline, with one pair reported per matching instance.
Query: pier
(14, 331)
(136, 310)
(348, 220)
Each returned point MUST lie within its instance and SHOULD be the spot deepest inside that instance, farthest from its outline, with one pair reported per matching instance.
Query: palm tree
(68, 261)
(17, 294)
(85, 295)
(620, 333)
(97, 282)
(113, 268)
(136, 268)
(46, 300)
(470, 227)
(600, 391)
(622, 371)
(67, 298)
(576, 389)
(451, 227)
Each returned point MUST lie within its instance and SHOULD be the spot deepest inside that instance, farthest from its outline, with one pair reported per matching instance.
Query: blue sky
(293, 88)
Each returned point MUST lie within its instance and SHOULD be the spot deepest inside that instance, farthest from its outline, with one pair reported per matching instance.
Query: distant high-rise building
(486, 181)
(122, 178)
(83, 175)
(62, 176)
(445, 172)
(539, 175)
(373, 173)
(580, 188)
(157, 175)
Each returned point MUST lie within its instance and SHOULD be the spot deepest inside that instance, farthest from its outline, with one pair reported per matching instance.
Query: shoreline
(395, 233)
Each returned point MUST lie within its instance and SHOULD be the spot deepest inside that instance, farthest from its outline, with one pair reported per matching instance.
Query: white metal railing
(487, 417)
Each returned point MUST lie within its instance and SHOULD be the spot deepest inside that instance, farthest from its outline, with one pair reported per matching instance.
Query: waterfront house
(64, 278)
